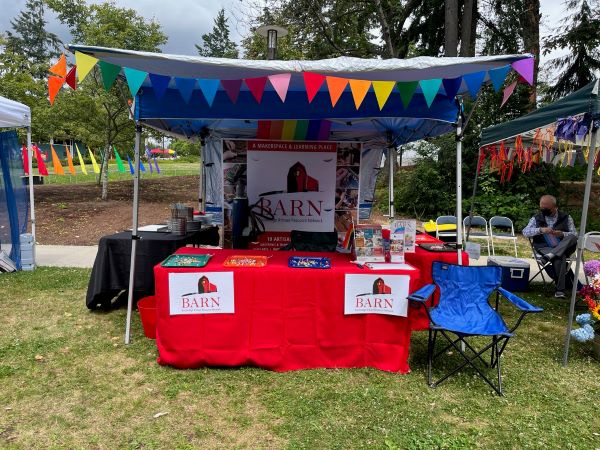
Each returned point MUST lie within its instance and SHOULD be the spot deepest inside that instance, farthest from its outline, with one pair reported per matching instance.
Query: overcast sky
(184, 21)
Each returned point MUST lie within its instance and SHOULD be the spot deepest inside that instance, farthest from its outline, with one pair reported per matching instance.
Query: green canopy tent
(583, 101)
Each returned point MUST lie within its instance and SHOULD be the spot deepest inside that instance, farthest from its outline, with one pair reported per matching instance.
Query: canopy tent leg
(134, 231)
(201, 179)
(472, 206)
(392, 157)
(31, 200)
(459, 139)
(584, 213)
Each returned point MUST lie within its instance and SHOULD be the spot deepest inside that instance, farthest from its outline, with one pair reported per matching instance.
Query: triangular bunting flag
(312, 82)
(257, 87)
(232, 87)
(209, 89)
(359, 90)
(81, 163)
(130, 165)
(508, 92)
(430, 89)
(524, 67)
(135, 79)
(186, 87)
(498, 76)
(473, 82)
(70, 161)
(60, 68)
(452, 86)
(58, 168)
(120, 166)
(281, 83)
(94, 163)
(407, 90)
(71, 80)
(54, 85)
(109, 73)
(160, 83)
(383, 89)
(156, 165)
(150, 165)
(42, 170)
(142, 167)
(336, 86)
(84, 64)
(25, 160)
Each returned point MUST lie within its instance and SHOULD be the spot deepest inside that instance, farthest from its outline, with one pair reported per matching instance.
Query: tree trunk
(451, 28)
(468, 28)
(104, 171)
(531, 41)
(385, 29)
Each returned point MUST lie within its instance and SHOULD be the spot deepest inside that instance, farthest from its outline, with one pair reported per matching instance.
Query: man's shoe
(559, 294)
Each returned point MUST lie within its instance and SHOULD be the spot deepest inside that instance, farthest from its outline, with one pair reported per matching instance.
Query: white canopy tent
(17, 115)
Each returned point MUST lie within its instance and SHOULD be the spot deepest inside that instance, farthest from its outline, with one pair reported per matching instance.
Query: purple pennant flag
(156, 165)
(232, 87)
(508, 92)
(150, 165)
(524, 67)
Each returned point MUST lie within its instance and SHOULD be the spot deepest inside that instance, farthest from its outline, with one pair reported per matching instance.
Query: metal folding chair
(464, 312)
(445, 220)
(543, 264)
(479, 229)
(502, 229)
(591, 243)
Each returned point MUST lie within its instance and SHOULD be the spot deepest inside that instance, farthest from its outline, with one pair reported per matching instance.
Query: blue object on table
(309, 262)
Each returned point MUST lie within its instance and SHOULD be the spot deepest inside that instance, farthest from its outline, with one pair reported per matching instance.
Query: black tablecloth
(110, 274)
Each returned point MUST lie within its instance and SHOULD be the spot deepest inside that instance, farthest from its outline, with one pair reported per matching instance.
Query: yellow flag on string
(84, 64)
(383, 89)
(94, 163)
(81, 163)
(58, 168)
(70, 161)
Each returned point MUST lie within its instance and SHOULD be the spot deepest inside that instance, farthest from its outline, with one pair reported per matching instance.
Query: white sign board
(201, 293)
(376, 294)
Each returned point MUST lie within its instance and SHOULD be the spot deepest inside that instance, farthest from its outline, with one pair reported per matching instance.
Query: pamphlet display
(368, 243)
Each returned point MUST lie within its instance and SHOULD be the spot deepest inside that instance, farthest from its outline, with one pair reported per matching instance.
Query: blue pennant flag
(473, 81)
(160, 83)
(451, 86)
(156, 165)
(209, 88)
(430, 89)
(130, 165)
(498, 76)
(186, 87)
(142, 168)
(135, 79)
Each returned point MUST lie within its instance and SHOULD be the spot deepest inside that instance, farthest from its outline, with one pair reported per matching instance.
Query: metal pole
(472, 207)
(134, 230)
(31, 200)
(201, 183)
(459, 138)
(584, 213)
(392, 156)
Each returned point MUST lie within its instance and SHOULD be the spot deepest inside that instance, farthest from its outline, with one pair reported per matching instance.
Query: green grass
(167, 168)
(67, 381)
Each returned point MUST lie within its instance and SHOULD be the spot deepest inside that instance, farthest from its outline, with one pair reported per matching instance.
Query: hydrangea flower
(584, 319)
(583, 334)
(592, 268)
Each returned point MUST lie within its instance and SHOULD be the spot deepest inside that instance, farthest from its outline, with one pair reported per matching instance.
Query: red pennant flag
(257, 87)
(71, 80)
(54, 85)
(60, 68)
(232, 87)
(25, 160)
(313, 82)
(40, 162)
(508, 92)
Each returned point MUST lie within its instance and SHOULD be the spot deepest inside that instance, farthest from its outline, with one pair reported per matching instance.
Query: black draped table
(110, 274)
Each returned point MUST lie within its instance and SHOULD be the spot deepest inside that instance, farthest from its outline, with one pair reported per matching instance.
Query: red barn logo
(205, 286)
(298, 180)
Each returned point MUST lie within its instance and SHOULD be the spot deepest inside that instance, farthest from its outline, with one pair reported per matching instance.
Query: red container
(147, 308)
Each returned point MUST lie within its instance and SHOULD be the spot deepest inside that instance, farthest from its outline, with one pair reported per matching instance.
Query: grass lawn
(67, 381)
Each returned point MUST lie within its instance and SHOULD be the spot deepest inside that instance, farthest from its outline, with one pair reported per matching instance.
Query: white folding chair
(445, 220)
(591, 243)
(502, 229)
(479, 229)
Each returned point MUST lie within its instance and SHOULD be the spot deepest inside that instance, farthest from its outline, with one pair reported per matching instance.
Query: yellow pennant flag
(383, 89)
(94, 163)
(70, 161)
(84, 64)
(58, 168)
(81, 163)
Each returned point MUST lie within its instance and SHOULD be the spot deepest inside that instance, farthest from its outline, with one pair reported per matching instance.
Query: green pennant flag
(120, 166)
(430, 89)
(135, 79)
(407, 90)
(109, 73)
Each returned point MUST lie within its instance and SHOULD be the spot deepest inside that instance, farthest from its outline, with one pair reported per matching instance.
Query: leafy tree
(217, 43)
(581, 36)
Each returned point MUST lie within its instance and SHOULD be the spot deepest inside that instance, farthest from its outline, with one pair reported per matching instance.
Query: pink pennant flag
(281, 83)
(232, 87)
(524, 67)
(40, 161)
(25, 160)
(257, 87)
(313, 82)
(508, 92)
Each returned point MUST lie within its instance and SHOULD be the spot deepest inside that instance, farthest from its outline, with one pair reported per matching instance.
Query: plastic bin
(147, 309)
(515, 272)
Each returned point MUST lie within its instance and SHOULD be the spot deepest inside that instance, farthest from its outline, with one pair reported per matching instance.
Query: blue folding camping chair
(464, 311)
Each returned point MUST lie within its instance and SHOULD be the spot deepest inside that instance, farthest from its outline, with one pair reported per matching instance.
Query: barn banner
(201, 293)
(376, 294)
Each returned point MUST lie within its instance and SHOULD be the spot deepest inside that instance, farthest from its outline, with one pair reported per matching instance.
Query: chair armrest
(422, 294)
(519, 302)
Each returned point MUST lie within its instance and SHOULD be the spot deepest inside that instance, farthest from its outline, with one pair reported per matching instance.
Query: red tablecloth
(285, 319)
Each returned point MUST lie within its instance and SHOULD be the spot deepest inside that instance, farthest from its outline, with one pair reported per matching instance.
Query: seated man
(555, 237)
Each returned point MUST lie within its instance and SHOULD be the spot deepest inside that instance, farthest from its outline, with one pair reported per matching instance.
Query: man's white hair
(552, 198)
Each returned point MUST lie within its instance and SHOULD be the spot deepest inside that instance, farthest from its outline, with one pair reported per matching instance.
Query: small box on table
(515, 272)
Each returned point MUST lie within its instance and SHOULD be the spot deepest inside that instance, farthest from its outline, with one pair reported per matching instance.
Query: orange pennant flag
(58, 169)
(70, 161)
(359, 90)
(54, 85)
(60, 68)
(336, 86)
